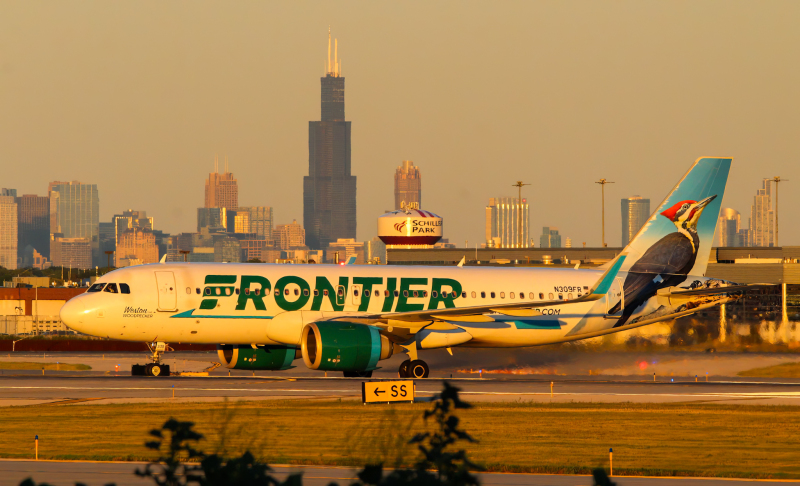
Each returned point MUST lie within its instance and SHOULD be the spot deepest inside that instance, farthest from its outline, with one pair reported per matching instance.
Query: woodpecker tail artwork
(675, 243)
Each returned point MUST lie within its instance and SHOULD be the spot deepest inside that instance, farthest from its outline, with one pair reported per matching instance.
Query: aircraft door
(615, 295)
(167, 294)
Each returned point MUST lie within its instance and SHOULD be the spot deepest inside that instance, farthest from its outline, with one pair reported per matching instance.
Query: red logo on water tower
(399, 226)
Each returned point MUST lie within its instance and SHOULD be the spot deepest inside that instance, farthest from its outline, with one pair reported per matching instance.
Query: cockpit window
(123, 287)
(96, 287)
(112, 288)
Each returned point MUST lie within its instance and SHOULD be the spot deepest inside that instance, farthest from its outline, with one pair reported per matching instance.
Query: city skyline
(406, 103)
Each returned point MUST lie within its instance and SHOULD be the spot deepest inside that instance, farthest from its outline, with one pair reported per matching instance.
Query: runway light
(643, 365)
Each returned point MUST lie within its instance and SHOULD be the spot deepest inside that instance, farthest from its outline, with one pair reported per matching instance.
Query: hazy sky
(137, 97)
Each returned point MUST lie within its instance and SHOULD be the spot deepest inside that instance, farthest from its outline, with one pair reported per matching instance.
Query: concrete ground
(99, 473)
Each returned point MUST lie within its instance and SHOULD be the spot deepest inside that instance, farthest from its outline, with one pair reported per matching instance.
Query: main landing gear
(413, 369)
(155, 368)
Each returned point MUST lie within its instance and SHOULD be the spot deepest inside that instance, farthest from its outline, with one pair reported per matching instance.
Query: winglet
(163, 258)
(461, 263)
(350, 260)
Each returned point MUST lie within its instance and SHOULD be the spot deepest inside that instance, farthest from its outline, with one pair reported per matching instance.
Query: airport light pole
(519, 186)
(777, 180)
(185, 254)
(603, 183)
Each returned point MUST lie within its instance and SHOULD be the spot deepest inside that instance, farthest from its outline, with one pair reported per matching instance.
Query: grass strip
(648, 439)
(785, 370)
(30, 365)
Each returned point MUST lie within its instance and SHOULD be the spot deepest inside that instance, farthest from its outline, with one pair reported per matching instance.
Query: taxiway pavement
(59, 473)
(74, 388)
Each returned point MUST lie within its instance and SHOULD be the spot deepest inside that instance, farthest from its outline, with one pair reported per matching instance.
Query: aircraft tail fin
(692, 208)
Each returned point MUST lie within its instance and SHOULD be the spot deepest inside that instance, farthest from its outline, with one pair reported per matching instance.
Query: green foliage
(178, 462)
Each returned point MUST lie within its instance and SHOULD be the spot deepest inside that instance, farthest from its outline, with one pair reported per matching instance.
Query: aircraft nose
(72, 313)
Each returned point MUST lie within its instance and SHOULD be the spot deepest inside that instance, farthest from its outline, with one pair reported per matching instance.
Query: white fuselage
(228, 303)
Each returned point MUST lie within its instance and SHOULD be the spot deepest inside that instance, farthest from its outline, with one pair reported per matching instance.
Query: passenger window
(550, 295)
(397, 293)
(111, 288)
(560, 296)
(325, 292)
(340, 291)
(483, 295)
(386, 293)
(285, 291)
(435, 294)
(316, 292)
(512, 295)
(278, 292)
(197, 290)
(218, 291)
(415, 294)
(424, 293)
(237, 291)
(96, 287)
(123, 287)
(463, 295)
(541, 296)
(473, 295)
(246, 291)
(569, 296)
(530, 296)
(405, 293)
(492, 295)
(258, 291)
(355, 292)
(208, 291)
(305, 292)
(377, 293)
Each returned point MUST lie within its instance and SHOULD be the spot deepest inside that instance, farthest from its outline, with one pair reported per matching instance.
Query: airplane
(348, 318)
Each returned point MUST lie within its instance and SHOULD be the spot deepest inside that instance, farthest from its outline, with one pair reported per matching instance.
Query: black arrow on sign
(376, 392)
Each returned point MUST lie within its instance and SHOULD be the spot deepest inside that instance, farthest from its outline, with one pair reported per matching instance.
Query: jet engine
(343, 346)
(260, 358)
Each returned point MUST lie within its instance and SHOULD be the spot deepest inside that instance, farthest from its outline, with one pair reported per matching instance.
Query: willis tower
(329, 190)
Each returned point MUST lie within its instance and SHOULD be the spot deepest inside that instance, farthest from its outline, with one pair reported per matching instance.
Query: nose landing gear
(155, 368)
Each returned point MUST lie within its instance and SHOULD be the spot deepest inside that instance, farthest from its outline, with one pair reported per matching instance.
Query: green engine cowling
(262, 358)
(343, 346)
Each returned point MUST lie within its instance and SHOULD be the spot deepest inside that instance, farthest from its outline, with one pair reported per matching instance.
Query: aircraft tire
(418, 369)
(403, 372)
(154, 369)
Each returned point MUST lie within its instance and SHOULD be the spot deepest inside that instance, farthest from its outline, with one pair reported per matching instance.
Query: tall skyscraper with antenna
(329, 189)
(222, 190)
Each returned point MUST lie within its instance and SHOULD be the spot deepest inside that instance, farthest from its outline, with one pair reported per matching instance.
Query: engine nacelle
(343, 346)
(239, 357)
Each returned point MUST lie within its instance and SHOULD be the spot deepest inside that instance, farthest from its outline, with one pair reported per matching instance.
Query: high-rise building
(761, 215)
(407, 185)
(8, 192)
(212, 219)
(135, 246)
(728, 227)
(290, 235)
(131, 219)
(505, 217)
(329, 189)
(261, 219)
(227, 250)
(71, 252)
(33, 217)
(238, 221)
(222, 190)
(8, 232)
(75, 213)
(550, 238)
(635, 212)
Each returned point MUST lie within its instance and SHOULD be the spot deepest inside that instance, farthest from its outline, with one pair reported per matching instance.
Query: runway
(74, 388)
(99, 473)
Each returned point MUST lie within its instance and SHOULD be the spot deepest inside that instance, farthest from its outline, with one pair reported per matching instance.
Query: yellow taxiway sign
(387, 391)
